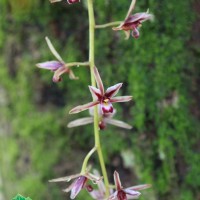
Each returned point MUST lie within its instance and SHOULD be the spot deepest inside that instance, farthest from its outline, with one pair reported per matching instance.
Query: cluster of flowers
(103, 100)
(82, 182)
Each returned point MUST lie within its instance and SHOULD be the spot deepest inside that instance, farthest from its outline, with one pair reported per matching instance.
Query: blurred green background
(160, 69)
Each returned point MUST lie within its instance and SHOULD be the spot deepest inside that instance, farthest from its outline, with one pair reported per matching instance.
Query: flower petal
(51, 65)
(113, 90)
(117, 181)
(117, 123)
(138, 17)
(58, 73)
(96, 93)
(81, 108)
(98, 80)
(140, 187)
(78, 185)
(52, 49)
(120, 99)
(65, 178)
(80, 122)
(132, 192)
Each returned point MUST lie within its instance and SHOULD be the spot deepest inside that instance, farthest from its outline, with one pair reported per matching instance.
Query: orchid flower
(104, 119)
(125, 193)
(69, 1)
(59, 67)
(104, 99)
(79, 183)
(133, 22)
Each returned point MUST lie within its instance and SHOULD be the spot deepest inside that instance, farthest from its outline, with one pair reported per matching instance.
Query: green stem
(108, 24)
(77, 64)
(84, 166)
(92, 65)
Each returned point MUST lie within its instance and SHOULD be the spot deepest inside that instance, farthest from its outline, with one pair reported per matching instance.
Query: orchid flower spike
(125, 193)
(69, 1)
(104, 99)
(133, 22)
(59, 67)
(79, 183)
(104, 119)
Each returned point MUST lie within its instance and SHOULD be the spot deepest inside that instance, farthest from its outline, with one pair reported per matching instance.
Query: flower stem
(108, 24)
(84, 166)
(92, 64)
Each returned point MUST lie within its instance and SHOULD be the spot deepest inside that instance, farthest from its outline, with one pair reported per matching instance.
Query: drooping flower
(133, 22)
(59, 67)
(125, 193)
(69, 1)
(104, 99)
(104, 119)
(79, 183)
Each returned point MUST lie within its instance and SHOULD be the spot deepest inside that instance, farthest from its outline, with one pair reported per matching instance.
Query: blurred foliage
(160, 70)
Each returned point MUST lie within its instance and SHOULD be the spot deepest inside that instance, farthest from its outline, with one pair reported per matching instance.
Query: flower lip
(106, 106)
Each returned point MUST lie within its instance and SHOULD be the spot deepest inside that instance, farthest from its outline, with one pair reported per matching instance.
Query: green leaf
(20, 197)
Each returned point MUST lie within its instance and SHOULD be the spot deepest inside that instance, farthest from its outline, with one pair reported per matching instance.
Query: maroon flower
(133, 22)
(105, 99)
(125, 193)
(79, 183)
(59, 67)
(104, 119)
